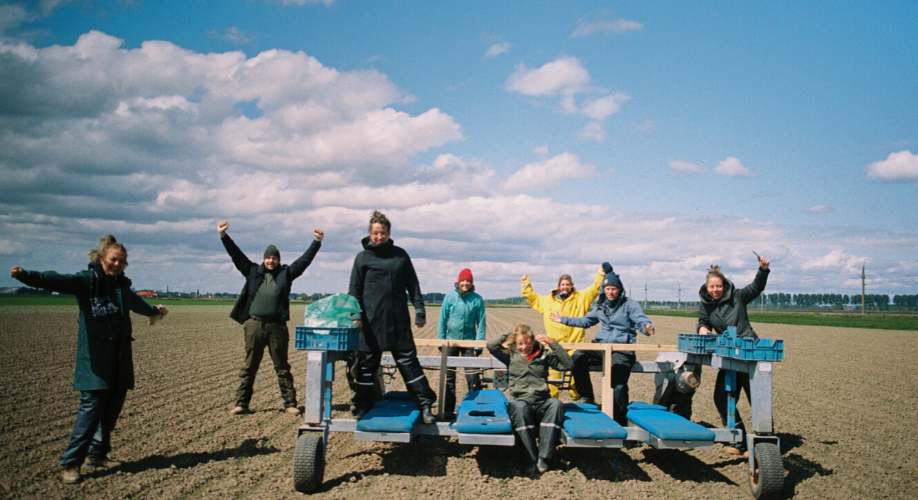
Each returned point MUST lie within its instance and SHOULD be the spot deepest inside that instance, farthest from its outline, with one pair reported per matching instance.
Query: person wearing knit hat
(462, 317)
(263, 309)
(569, 301)
(621, 319)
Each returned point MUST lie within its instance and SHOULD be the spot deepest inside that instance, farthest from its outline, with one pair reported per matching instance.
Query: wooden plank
(589, 346)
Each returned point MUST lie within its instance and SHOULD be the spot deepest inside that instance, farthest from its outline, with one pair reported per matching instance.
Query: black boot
(427, 415)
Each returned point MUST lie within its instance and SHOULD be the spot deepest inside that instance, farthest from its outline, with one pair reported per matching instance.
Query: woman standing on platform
(722, 305)
(381, 276)
(462, 317)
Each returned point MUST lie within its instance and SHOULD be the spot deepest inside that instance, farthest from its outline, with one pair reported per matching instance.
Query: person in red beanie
(462, 317)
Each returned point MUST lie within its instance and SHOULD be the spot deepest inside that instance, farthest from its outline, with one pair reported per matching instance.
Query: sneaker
(101, 462)
(239, 410)
(72, 475)
(293, 411)
(542, 466)
(427, 415)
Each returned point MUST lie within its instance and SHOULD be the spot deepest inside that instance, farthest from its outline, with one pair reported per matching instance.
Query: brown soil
(846, 411)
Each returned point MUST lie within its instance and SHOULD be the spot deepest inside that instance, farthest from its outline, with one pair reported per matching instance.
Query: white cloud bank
(897, 167)
(157, 144)
(604, 22)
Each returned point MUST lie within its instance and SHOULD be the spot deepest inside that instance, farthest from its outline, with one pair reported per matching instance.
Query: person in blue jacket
(621, 319)
(462, 317)
(104, 359)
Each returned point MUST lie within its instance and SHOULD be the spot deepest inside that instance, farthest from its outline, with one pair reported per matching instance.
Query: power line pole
(645, 295)
(863, 288)
(679, 304)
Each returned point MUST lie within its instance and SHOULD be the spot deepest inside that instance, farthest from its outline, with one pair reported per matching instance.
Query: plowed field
(846, 410)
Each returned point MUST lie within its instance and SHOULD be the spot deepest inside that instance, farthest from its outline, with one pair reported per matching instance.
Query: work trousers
(622, 362)
(408, 367)
(259, 335)
(472, 380)
(92, 432)
(720, 396)
(547, 416)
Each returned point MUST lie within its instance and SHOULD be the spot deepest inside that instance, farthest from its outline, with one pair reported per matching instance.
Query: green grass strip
(839, 320)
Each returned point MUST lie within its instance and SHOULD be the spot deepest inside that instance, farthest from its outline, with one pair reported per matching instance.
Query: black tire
(767, 478)
(308, 462)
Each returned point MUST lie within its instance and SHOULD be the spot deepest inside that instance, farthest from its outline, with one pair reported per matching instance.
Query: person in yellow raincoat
(568, 301)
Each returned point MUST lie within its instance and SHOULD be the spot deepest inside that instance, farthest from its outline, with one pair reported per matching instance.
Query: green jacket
(529, 379)
(104, 358)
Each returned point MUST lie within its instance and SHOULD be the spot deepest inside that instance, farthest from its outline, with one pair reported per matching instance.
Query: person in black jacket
(263, 309)
(104, 361)
(722, 305)
(381, 276)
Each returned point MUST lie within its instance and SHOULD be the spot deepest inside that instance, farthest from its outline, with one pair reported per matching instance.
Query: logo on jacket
(103, 306)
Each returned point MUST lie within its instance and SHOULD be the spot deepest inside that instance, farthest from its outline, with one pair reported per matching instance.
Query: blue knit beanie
(612, 279)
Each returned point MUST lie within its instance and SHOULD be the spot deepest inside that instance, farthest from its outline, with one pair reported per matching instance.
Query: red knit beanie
(465, 274)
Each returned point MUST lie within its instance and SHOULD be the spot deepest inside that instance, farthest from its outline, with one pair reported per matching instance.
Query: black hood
(727, 296)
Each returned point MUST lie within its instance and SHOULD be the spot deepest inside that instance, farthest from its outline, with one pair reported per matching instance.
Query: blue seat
(395, 413)
(665, 425)
(483, 412)
(586, 421)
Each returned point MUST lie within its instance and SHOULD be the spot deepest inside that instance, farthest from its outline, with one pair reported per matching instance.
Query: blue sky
(540, 139)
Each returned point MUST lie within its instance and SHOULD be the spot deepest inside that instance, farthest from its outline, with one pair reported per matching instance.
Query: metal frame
(320, 376)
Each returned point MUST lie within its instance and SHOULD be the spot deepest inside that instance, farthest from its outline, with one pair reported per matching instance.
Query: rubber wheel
(308, 462)
(767, 479)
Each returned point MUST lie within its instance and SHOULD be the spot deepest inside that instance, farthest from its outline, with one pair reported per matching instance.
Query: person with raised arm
(567, 301)
(723, 305)
(104, 360)
(621, 318)
(263, 309)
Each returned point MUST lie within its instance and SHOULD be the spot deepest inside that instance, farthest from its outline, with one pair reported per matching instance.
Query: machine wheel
(308, 462)
(767, 478)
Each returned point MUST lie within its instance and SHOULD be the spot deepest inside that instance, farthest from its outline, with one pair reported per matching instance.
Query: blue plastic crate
(697, 344)
(326, 339)
(750, 349)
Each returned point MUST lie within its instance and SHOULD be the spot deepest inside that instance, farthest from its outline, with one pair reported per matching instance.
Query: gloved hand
(606, 267)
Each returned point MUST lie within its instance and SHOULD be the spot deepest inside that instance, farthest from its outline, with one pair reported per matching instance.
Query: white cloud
(604, 22)
(897, 167)
(819, 209)
(732, 167)
(541, 150)
(593, 131)
(232, 34)
(304, 2)
(603, 107)
(643, 126)
(497, 49)
(682, 168)
(565, 75)
(547, 173)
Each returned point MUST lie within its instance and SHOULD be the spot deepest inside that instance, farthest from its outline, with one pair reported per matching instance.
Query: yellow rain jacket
(577, 304)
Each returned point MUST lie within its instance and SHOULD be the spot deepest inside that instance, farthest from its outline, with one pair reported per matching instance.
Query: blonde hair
(106, 244)
(565, 277)
(714, 272)
(378, 217)
(520, 330)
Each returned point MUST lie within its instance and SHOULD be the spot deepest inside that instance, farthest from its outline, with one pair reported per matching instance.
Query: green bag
(333, 311)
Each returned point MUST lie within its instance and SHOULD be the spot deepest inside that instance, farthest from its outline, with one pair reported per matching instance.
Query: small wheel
(308, 462)
(767, 478)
